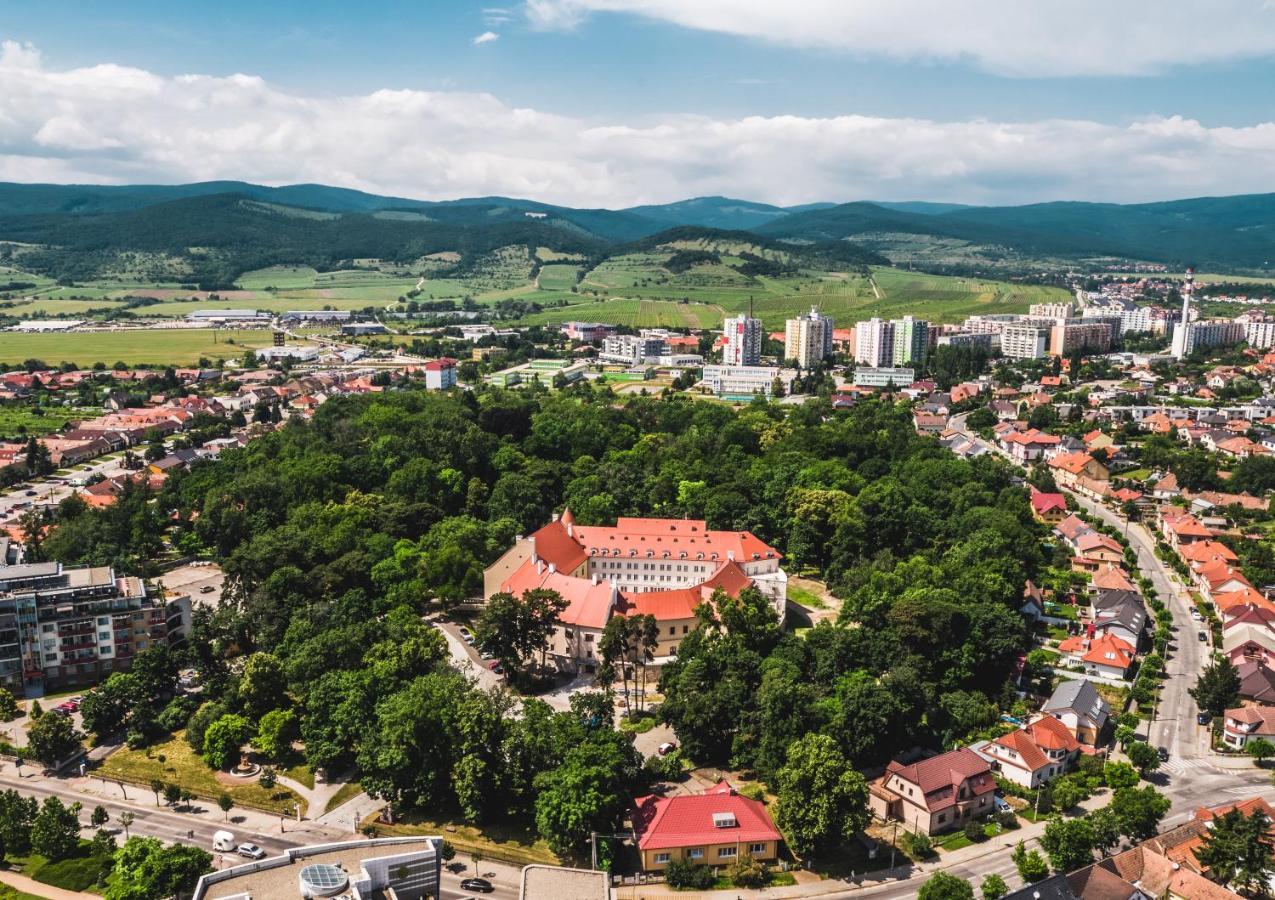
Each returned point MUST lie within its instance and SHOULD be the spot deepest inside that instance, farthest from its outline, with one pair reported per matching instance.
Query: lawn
(803, 597)
(184, 768)
(132, 346)
(348, 791)
(558, 277)
(10, 893)
(508, 840)
(79, 873)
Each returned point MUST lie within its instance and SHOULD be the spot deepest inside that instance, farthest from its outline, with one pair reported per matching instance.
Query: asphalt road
(48, 492)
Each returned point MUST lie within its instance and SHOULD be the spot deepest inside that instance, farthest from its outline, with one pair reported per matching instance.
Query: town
(1122, 685)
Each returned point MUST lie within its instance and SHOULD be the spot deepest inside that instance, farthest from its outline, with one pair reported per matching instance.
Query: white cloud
(486, 38)
(1038, 38)
(113, 124)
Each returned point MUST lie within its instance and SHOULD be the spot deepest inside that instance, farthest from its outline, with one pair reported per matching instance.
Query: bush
(666, 768)
(1007, 819)
(917, 844)
(974, 831)
(682, 873)
(176, 714)
(746, 872)
(753, 791)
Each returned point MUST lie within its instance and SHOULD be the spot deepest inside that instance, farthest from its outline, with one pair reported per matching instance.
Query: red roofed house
(1070, 468)
(1033, 755)
(936, 794)
(1050, 508)
(659, 567)
(1099, 547)
(713, 828)
(1183, 529)
(1111, 578)
(1105, 655)
(1025, 446)
(1246, 722)
(440, 374)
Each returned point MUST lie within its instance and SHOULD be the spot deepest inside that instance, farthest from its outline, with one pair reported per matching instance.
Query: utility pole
(593, 850)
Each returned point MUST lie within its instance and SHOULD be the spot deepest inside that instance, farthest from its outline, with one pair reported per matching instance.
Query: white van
(224, 841)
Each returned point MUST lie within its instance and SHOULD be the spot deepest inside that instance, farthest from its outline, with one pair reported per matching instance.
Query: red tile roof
(1022, 744)
(1043, 503)
(939, 776)
(687, 821)
(1050, 734)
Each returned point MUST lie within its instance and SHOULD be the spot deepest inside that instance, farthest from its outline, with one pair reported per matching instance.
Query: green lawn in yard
(300, 772)
(12, 893)
(639, 725)
(184, 768)
(133, 346)
(348, 791)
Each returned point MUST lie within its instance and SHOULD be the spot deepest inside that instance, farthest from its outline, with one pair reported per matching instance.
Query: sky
(622, 102)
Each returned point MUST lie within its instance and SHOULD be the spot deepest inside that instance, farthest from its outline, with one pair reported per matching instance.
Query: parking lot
(202, 580)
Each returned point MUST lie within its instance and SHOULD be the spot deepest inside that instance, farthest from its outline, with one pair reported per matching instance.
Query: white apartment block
(874, 343)
(632, 349)
(884, 376)
(1260, 335)
(1023, 340)
(1187, 336)
(743, 341)
(1052, 310)
(808, 339)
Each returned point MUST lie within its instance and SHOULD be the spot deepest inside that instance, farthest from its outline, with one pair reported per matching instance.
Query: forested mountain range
(221, 229)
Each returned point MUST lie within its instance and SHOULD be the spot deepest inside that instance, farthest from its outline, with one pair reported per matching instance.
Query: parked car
(1195, 614)
(481, 885)
(666, 748)
(1203, 718)
(1164, 753)
(207, 589)
(497, 668)
(31, 493)
(252, 851)
(1204, 636)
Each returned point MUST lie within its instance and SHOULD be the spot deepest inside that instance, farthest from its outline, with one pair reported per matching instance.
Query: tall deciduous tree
(145, 868)
(822, 800)
(1237, 850)
(1069, 843)
(1218, 687)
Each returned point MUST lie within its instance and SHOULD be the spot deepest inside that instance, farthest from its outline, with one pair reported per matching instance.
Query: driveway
(203, 581)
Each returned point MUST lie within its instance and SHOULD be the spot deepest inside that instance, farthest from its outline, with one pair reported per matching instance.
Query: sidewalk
(31, 886)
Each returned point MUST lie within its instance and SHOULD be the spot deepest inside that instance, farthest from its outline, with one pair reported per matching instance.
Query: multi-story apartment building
(631, 349)
(440, 374)
(911, 341)
(76, 625)
(874, 343)
(1188, 336)
(743, 341)
(883, 376)
(1023, 340)
(808, 338)
(986, 340)
(1069, 335)
(992, 323)
(587, 331)
(1260, 335)
(1052, 310)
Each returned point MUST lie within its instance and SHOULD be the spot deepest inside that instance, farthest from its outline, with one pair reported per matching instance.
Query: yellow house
(713, 828)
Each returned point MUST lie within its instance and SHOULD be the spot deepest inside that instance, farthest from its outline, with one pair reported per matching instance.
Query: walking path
(31, 886)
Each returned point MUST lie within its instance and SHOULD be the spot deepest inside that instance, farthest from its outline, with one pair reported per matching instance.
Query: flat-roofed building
(1024, 340)
(867, 376)
(808, 338)
(745, 381)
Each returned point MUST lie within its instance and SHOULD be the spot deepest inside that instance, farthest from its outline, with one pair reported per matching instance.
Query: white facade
(300, 354)
(1260, 335)
(631, 349)
(440, 377)
(1024, 341)
(740, 381)
(743, 341)
(874, 343)
(808, 339)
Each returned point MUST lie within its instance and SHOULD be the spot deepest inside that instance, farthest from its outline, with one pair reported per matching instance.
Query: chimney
(595, 577)
(552, 568)
(730, 554)
(555, 517)
(540, 567)
(570, 530)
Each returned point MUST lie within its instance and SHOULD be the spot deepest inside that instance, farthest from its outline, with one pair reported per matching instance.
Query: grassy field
(558, 277)
(23, 420)
(184, 768)
(507, 840)
(636, 313)
(347, 791)
(135, 347)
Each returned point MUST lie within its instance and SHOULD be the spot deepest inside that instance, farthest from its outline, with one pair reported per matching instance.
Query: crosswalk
(1184, 765)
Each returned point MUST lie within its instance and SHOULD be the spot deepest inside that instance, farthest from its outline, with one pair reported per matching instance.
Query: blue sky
(981, 103)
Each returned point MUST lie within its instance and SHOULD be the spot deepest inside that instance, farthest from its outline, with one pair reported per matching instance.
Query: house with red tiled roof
(1027, 446)
(1072, 528)
(1241, 724)
(712, 828)
(1033, 755)
(1206, 551)
(1050, 508)
(659, 567)
(1183, 529)
(935, 794)
(1111, 578)
(1249, 635)
(1099, 547)
(1069, 468)
(1126, 495)
(1106, 655)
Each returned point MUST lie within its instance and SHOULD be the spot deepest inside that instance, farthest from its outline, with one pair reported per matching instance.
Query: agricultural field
(636, 290)
(135, 347)
(557, 277)
(22, 421)
(52, 306)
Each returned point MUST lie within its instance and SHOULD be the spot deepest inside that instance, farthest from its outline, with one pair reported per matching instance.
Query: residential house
(1166, 488)
(714, 828)
(1071, 529)
(1106, 655)
(1077, 705)
(1243, 723)
(1033, 602)
(1179, 529)
(929, 423)
(936, 794)
(1124, 617)
(1031, 756)
(1111, 578)
(1070, 468)
(1027, 446)
(1099, 548)
(1248, 635)
(1050, 508)
(1257, 682)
